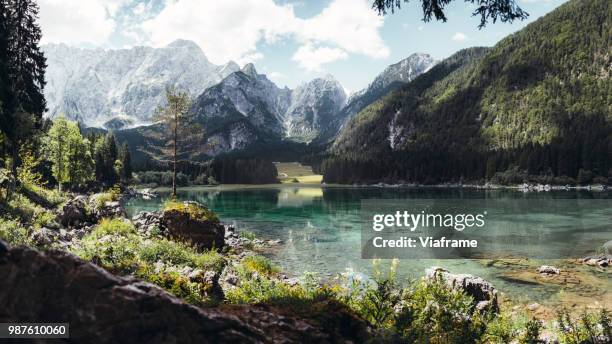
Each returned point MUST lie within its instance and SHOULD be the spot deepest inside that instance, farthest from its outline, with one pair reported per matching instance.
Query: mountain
(98, 87)
(392, 78)
(314, 106)
(246, 107)
(536, 106)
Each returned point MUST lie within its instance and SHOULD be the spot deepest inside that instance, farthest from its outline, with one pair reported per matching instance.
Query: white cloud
(312, 58)
(77, 21)
(459, 37)
(232, 29)
(349, 24)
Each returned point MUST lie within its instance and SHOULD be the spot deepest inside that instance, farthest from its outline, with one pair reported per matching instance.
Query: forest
(534, 108)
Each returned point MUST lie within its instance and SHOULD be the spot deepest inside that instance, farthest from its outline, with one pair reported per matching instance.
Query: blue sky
(291, 41)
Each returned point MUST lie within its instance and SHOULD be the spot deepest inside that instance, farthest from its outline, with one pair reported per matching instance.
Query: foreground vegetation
(415, 311)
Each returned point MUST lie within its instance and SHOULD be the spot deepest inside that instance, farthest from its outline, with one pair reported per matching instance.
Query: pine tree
(23, 99)
(179, 131)
(126, 164)
(105, 157)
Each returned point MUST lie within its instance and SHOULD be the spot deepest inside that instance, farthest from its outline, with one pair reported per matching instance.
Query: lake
(321, 231)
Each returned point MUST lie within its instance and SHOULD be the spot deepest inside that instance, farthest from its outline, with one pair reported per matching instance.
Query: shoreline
(520, 188)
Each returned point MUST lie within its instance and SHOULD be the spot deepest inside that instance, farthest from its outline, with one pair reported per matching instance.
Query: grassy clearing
(293, 172)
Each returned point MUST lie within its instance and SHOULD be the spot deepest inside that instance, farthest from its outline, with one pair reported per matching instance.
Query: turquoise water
(320, 226)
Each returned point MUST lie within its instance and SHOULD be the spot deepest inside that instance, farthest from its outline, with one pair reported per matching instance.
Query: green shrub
(116, 252)
(176, 253)
(587, 328)
(432, 312)
(180, 286)
(101, 198)
(113, 226)
(14, 233)
(257, 264)
(502, 329)
(247, 235)
(531, 335)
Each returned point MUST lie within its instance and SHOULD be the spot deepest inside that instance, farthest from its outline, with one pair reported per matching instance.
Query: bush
(587, 328)
(176, 253)
(113, 226)
(14, 233)
(178, 285)
(257, 264)
(111, 196)
(531, 335)
(247, 235)
(116, 252)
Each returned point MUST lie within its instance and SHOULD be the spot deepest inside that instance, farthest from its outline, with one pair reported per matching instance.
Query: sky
(291, 41)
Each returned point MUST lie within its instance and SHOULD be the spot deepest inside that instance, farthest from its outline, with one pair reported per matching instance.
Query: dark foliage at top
(491, 10)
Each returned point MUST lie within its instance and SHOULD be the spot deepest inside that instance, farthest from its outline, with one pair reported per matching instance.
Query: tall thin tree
(179, 133)
(24, 102)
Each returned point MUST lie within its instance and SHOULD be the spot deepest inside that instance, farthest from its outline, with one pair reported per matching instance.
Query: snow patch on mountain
(94, 86)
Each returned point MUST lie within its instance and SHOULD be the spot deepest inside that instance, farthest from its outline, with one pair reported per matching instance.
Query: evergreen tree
(126, 164)
(105, 157)
(494, 10)
(23, 100)
(178, 134)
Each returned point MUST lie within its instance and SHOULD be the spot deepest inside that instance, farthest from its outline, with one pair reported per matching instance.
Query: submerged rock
(483, 292)
(58, 287)
(548, 270)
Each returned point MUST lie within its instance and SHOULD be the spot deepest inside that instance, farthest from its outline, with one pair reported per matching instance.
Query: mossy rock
(193, 223)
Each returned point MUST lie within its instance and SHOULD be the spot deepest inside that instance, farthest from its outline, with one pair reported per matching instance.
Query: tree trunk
(175, 143)
(13, 182)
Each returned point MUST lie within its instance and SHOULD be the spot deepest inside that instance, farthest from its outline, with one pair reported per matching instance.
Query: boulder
(55, 286)
(195, 224)
(483, 293)
(149, 223)
(75, 212)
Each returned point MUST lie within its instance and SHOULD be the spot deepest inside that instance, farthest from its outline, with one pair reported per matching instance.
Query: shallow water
(320, 228)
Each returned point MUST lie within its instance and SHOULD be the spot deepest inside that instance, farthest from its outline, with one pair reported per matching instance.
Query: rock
(607, 248)
(44, 237)
(149, 223)
(548, 270)
(111, 210)
(191, 224)
(55, 286)
(601, 261)
(74, 212)
(483, 293)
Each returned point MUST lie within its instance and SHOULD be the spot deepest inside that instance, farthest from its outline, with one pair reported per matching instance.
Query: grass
(247, 235)
(195, 211)
(100, 199)
(14, 233)
(293, 172)
(115, 245)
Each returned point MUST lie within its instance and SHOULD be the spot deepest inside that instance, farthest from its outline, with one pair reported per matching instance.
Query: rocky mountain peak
(249, 69)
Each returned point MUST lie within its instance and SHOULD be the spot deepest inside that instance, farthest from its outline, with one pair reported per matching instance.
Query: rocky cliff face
(314, 106)
(391, 79)
(98, 87)
(58, 287)
(247, 107)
